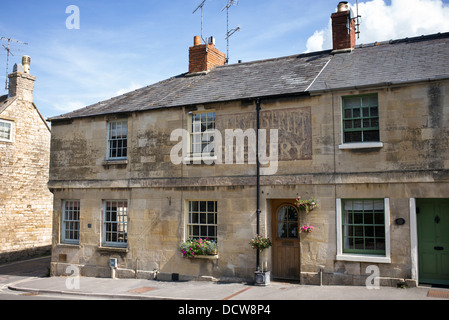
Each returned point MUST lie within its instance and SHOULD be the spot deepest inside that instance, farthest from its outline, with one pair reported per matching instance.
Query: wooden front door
(433, 241)
(286, 246)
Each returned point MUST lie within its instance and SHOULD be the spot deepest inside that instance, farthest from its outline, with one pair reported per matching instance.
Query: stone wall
(25, 201)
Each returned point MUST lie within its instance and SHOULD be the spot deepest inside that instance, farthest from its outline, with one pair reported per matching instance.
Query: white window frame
(120, 224)
(67, 224)
(190, 223)
(197, 158)
(110, 140)
(11, 130)
(363, 257)
(358, 145)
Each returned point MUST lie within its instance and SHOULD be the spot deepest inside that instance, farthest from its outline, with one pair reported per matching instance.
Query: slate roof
(390, 62)
(5, 102)
(411, 59)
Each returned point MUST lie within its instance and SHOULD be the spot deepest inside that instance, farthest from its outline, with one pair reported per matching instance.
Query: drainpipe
(258, 177)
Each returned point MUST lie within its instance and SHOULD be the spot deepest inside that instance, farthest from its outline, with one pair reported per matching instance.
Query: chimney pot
(196, 41)
(342, 6)
(26, 61)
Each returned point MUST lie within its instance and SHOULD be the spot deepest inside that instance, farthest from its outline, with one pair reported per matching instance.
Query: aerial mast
(229, 33)
(8, 52)
(201, 7)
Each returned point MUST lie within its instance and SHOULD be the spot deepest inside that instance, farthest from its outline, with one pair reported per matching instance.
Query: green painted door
(433, 241)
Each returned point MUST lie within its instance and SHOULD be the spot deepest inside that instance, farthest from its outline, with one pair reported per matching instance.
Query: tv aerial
(8, 52)
(229, 33)
(201, 7)
(356, 18)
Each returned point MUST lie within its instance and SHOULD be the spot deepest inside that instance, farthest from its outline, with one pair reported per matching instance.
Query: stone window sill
(360, 145)
(363, 258)
(68, 245)
(113, 249)
(107, 163)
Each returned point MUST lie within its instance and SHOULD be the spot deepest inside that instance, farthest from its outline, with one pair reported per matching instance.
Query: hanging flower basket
(260, 243)
(306, 205)
(307, 228)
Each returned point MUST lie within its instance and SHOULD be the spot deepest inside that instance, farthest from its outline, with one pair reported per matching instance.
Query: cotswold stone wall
(25, 201)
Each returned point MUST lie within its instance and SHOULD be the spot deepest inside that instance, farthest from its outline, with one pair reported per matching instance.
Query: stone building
(363, 129)
(26, 204)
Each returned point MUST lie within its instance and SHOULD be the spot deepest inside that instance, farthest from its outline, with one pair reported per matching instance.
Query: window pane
(369, 101)
(287, 222)
(361, 119)
(211, 232)
(70, 221)
(363, 226)
(292, 214)
(5, 131)
(202, 220)
(116, 222)
(351, 102)
(372, 136)
(353, 137)
(117, 139)
(293, 230)
(282, 230)
(202, 134)
(365, 112)
(348, 124)
(348, 113)
(282, 214)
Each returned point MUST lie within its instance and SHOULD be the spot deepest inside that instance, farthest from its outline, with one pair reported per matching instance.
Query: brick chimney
(21, 82)
(204, 57)
(343, 28)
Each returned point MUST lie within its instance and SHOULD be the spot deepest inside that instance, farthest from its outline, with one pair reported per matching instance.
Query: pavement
(139, 289)
(201, 290)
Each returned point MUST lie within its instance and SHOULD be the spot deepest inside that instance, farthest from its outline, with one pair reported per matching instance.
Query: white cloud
(132, 86)
(380, 22)
(315, 42)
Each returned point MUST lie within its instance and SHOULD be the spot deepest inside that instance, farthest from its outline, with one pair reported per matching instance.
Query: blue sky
(125, 45)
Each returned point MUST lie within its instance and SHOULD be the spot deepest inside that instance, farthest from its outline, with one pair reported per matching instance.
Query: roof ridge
(421, 38)
(300, 55)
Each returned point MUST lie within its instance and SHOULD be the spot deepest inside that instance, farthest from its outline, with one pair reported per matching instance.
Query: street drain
(142, 290)
(438, 294)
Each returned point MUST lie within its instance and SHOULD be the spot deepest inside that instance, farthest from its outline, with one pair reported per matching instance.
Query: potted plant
(261, 243)
(306, 205)
(198, 247)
